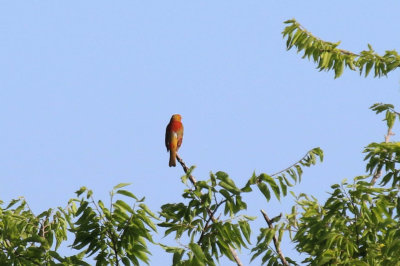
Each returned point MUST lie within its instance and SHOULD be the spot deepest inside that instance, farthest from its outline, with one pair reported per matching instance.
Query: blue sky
(87, 88)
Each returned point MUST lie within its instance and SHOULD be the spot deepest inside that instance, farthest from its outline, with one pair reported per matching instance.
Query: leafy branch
(210, 213)
(278, 182)
(116, 234)
(384, 154)
(274, 238)
(329, 57)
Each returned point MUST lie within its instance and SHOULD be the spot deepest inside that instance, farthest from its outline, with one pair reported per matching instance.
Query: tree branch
(210, 213)
(211, 216)
(378, 171)
(114, 244)
(329, 57)
(186, 170)
(114, 247)
(318, 39)
(287, 168)
(275, 239)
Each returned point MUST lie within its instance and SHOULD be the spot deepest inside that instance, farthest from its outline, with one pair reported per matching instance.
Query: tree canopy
(357, 225)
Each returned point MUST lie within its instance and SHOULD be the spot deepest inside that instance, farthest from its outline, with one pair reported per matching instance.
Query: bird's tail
(173, 149)
(172, 158)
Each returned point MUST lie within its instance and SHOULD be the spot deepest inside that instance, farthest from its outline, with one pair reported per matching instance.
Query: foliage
(329, 57)
(357, 225)
(211, 237)
(212, 216)
(26, 239)
(114, 234)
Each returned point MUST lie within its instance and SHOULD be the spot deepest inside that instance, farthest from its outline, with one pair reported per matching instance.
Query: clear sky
(87, 88)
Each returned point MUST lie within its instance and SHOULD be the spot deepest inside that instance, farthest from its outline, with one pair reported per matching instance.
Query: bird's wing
(167, 136)
(180, 136)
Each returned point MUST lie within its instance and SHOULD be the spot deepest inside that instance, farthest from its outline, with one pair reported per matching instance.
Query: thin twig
(378, 171)
(284, 170)
(114, 244)
(43, 227)
(211, 216)
(355, 210)
(275, 239)
(302, 28)
(114, 247)
(186, 170)
(210, 213)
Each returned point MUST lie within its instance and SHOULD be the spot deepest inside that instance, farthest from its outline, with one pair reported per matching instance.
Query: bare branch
(287, 168)
(235, 256)
(186, 170)
(275, 239)
(378, 171)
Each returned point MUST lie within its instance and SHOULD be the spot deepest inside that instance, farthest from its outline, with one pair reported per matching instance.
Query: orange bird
(173, 137)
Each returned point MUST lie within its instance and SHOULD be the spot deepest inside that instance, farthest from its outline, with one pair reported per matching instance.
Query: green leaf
(82, 208)
(390, 118)
(245, 228)
(368, 67)
(229, 187)
(197, 251)
(289, 21)
(339, 68)
(264, 189)
(145, 219)
(147, 210)
(125, 261)
(213, 179)
(184, 179)
(80, 191)
(120, 185)
(123, 205)
(127, 193)
(177, 257)
(250, 182)
(271, 182)
(89, 194)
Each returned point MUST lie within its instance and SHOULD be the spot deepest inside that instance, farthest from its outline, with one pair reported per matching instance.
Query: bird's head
(176, 117)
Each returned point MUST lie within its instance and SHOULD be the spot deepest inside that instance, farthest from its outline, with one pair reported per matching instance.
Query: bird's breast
(175, 126)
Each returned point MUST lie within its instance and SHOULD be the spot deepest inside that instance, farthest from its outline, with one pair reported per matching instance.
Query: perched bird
(173, 137)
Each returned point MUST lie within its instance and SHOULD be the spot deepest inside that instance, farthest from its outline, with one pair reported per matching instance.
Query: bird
(173, 137)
